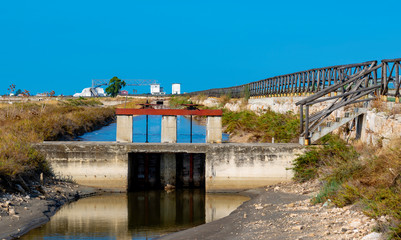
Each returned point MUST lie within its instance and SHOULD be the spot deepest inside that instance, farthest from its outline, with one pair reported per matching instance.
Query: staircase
(359, 87)
(329, 127)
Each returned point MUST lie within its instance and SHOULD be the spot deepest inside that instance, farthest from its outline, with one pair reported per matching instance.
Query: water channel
(141, 214)
(137, 215)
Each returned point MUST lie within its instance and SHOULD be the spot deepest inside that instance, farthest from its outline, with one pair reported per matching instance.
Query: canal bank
(284, 211)
(21, 213)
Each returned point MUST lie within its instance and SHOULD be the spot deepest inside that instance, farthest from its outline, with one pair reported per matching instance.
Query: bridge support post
(124, 128)
(214, 129)
(169, 129)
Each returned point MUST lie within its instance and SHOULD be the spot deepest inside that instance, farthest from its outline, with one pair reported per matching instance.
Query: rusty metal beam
(168, 112)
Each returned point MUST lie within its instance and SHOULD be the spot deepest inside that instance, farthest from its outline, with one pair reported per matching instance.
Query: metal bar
(190, 130)
(147, 129)
(169, 112)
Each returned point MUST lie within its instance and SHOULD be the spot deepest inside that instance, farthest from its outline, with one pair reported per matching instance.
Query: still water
(138, 215)
(108, 133)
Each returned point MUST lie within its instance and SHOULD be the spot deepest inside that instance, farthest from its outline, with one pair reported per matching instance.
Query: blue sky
(62, 45)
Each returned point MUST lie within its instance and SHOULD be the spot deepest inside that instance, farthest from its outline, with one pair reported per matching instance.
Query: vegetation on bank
(369, 178)
(177, 101)
(22, 124)
(262, 127)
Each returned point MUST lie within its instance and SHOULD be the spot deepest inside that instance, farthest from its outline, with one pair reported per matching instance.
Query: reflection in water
(137, 215)
(108, 133)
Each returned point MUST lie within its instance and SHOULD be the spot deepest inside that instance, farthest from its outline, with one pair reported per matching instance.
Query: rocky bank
(20, 213)
(284, 211)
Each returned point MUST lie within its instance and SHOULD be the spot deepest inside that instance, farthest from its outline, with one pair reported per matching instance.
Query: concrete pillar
(169, 129)
(214, 130)
(124, 128)
(168, 169)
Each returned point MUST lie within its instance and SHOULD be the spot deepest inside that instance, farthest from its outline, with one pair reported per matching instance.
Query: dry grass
(24, 123)
(390, 109)
(132, 103)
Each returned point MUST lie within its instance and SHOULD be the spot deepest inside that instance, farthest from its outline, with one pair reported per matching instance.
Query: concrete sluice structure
(134, 166)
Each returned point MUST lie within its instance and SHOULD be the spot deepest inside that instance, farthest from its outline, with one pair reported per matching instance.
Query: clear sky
(62, 45)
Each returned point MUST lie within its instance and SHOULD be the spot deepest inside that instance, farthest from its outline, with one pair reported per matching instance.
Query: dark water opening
(190, 170)
(148, 171)
(137, 215)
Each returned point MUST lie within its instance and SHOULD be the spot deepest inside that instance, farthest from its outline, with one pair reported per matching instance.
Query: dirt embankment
(284, 212)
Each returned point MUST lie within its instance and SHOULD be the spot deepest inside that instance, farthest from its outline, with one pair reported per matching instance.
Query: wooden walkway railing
(313, 81)
(342, 85)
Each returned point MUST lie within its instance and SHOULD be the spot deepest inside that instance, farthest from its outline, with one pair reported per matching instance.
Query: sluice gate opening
(147, 171)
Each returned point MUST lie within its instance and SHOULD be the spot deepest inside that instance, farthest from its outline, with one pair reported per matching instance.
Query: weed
(177, 101)
(328, 191)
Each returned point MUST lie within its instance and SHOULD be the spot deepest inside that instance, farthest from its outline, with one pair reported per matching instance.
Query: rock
(355, 224)
(258, 206)
(11, 211)
(327, 203)
(169, 187)
(276, 189)
(299, 227)
(20, 189)
(343, 229)
(244, 215)
(373, 236)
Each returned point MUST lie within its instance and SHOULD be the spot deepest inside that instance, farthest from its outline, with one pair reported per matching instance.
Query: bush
(264, 127)
(374, 182)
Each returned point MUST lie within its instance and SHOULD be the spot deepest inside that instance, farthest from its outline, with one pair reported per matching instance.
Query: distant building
(155, 89)
(91, 92)
(176, 88)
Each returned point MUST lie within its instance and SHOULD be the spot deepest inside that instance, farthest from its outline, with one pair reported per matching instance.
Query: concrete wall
(243, 166)
(228, 166)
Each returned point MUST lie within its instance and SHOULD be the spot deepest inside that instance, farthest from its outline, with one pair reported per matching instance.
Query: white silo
(176, 88)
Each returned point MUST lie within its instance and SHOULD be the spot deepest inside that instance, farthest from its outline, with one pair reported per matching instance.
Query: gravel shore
(20, 213)
(284, 211)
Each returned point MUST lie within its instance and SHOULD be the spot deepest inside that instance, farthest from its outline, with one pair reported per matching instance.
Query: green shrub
(264, 127)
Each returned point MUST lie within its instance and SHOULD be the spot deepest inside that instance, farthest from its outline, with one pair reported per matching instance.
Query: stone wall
(380, 128)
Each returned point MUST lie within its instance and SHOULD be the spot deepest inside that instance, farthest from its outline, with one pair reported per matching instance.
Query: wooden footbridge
(339, 86)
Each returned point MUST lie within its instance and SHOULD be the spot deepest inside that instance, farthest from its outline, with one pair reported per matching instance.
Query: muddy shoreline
(21, 213)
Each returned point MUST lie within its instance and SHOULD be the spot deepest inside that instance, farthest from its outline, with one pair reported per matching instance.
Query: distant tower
(176, 88)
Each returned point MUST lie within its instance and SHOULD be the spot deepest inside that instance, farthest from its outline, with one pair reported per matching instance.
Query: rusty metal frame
(168, 112)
